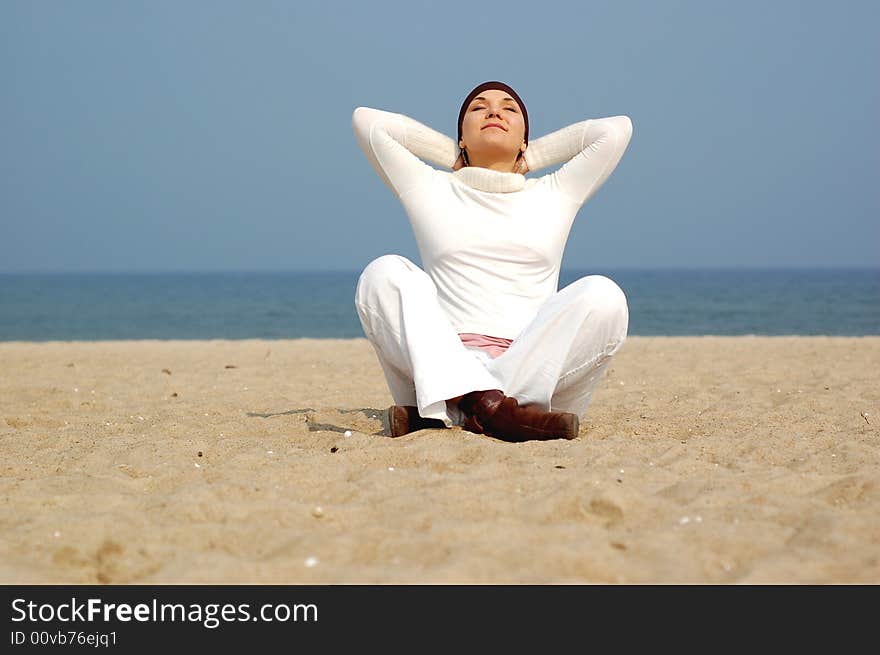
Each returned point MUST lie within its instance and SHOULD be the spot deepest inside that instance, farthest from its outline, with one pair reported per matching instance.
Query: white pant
(555, 363)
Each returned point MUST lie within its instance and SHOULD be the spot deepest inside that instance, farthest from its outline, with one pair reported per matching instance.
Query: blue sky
(203, 136)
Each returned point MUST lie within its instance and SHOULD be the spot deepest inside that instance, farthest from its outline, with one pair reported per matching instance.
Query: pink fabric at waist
(495, 346)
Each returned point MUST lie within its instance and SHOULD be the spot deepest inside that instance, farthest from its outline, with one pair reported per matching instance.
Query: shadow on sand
(314, 426)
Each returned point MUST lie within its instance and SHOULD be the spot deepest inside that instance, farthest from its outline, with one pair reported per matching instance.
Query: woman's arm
(395, 144)
(592, 150)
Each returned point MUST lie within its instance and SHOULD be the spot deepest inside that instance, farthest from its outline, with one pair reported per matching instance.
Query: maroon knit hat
(485, 86)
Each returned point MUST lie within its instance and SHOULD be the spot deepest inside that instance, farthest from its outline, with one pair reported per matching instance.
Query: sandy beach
(701, 460)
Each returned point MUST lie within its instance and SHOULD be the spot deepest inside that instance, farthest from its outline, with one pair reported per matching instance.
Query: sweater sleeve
(395, 144)
(591, 149)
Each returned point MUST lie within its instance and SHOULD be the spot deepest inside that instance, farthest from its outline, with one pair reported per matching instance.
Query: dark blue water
(42, 307)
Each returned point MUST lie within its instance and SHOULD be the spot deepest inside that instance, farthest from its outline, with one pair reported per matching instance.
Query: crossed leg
(554, 364)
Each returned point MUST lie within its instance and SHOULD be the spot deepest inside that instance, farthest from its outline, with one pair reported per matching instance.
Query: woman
(481, 337)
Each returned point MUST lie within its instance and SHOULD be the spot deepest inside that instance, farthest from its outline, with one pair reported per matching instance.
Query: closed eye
(509, 108)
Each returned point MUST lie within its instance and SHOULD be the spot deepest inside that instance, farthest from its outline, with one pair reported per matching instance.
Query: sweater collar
(485, 179)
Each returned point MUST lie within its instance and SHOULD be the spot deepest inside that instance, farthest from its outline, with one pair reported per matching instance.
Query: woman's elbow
(623, 128)
(358, 116)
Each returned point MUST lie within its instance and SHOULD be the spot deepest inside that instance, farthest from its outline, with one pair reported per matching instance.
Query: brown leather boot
(403, 419)
(493, 413)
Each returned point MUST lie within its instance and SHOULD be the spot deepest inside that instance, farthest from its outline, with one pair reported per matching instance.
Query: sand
(701, 460)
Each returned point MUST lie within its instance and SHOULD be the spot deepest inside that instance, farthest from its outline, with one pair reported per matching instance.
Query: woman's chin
(494, 136)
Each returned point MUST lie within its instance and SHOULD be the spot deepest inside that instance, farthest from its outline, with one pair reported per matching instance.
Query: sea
(291, 305)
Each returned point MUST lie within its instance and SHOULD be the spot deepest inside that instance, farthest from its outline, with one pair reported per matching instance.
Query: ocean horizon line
(564, 271)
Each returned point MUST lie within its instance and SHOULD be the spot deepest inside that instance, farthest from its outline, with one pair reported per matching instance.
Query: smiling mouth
(493, 125)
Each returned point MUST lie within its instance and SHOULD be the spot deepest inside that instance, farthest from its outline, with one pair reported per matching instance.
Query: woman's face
(493, 126)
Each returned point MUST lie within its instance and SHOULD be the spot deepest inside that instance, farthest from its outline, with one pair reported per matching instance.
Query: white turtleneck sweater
(492, 242)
